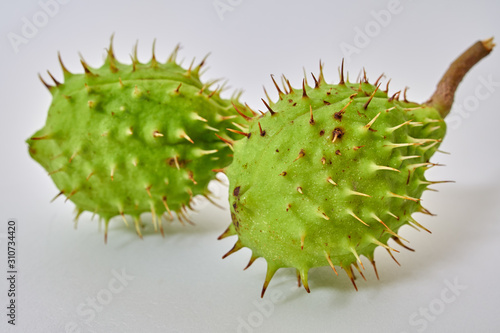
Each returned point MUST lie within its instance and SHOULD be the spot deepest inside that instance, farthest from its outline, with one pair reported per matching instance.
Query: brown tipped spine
(66, 72)
(228, 142)
(54, 79)
(371, 97)
(280, 93)
(48, 86)
(238, 132)
(262, 132)
(86, 67)
(304, 93)
(316, 83)
(342, 73)
(247, 118)
(268, 107)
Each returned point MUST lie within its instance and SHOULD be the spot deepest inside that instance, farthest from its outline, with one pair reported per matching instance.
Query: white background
(179, 283)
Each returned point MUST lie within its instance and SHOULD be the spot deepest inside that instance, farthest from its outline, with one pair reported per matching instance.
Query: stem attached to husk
(443, 97)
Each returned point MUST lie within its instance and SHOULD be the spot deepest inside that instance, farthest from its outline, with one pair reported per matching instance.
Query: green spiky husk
(125, 139)
(327, 189)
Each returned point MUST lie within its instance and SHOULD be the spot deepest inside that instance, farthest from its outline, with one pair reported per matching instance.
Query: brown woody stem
(443, 97)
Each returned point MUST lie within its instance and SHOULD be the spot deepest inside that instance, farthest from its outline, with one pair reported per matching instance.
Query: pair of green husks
(328, 174)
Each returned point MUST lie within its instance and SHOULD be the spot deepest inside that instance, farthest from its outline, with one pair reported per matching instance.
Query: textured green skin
(128, 103)
(270, 216)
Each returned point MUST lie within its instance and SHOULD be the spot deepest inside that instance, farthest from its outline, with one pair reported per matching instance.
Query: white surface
(180, 283)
